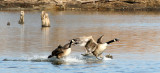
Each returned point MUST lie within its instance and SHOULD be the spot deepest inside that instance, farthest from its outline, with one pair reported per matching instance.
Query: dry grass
(147, 3)
(114, 4)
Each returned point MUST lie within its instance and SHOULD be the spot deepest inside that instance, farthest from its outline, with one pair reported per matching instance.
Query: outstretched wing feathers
(57, 51)
(99, 40)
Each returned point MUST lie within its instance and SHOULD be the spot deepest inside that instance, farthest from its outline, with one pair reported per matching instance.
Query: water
(25, 48)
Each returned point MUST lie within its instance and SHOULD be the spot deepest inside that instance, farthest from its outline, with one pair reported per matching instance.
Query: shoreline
(79, 6)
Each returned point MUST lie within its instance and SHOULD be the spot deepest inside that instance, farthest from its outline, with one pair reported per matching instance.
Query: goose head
(116, 40)
(76, 41)
(68, 45)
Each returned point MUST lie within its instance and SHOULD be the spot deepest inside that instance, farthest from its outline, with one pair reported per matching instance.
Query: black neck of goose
(110, 41)
(70, 44)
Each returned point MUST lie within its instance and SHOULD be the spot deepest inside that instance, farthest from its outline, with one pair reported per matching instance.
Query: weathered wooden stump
(21, 20)
(45, 19)
(42, 14)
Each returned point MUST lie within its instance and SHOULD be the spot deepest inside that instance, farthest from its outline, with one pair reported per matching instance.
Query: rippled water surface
(25, 48)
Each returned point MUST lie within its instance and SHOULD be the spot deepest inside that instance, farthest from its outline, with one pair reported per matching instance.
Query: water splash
(35, 58)
(72, 59)
(105, 59)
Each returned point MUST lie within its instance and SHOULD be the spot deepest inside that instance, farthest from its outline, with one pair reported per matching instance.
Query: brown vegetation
(84, 4)
(36, 4)
(111, 5)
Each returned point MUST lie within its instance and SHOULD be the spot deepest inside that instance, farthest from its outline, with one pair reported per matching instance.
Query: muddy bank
(149, 5)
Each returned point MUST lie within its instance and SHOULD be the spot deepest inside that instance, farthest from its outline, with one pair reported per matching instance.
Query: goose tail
(49, 56)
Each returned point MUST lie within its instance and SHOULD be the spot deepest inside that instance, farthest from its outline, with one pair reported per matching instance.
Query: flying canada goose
(102, 46)
(86, 41)
(91, 45)
(62, 51)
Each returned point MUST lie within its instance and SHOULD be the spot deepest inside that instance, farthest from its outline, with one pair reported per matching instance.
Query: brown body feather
(61, 51)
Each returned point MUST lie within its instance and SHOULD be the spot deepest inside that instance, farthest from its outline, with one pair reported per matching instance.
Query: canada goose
(86, 41)
(62, 51)
(101, 47)
(21, 20)
(91, 45)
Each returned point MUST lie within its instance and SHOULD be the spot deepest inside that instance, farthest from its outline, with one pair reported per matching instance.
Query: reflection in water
(22, 41)
(57, 62)
(45, 36)
(138, 31)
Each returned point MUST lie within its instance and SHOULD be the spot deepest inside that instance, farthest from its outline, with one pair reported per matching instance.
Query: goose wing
(81, 41)
(57, 51)
(99, 40)
(90, 44)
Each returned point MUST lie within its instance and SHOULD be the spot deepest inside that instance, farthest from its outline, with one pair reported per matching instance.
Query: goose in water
(100, 47)
(62, 51)
(87, 41)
